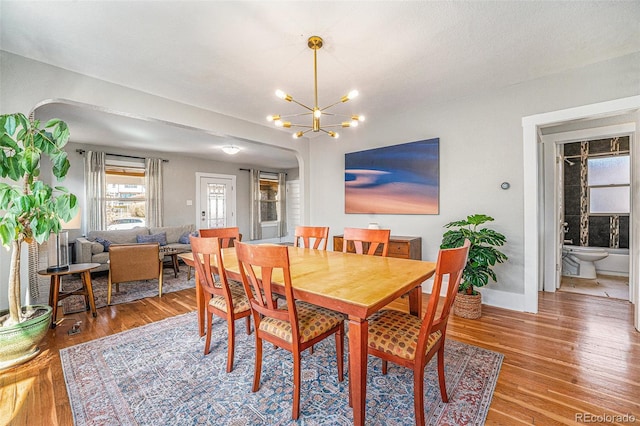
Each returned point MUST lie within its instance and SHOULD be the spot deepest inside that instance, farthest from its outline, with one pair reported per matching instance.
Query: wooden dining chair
(223, 298)
(366, 241)
(411, 342)
(134, 262)
(294, 327)
(227, 237)
(315, 237)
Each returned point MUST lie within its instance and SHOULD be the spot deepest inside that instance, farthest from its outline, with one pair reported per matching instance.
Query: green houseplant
(483, 255)
(30, 211)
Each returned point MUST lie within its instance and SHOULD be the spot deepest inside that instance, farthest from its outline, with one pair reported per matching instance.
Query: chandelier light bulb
(273, 117)
(298, 134)
(281, 94)
(354, 123)
(278, 123)
(352, 94)
(317, 113)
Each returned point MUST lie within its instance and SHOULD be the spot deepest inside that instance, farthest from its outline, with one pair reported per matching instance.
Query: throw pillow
(105, 243)
(96, 247)
(184, 238)
(160, 238)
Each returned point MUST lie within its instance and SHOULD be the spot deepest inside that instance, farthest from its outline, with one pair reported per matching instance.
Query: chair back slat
(311, 237)
(366, 241)
(258, 266)
(204, 250)
(227, 235)
(451, 263)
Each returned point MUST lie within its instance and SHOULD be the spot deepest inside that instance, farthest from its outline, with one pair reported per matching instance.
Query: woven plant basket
(468, 306)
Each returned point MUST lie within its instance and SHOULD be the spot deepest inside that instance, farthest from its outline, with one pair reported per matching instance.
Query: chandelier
(315, 112)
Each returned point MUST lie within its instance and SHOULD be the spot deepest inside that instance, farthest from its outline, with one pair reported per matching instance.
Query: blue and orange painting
(396, 179)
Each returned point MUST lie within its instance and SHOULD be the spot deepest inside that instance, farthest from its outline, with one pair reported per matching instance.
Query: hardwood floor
(578, 357)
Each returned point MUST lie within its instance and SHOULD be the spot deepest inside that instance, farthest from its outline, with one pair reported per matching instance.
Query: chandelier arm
(295, 115)
(302, 105)
(331, 125)
(329, 106)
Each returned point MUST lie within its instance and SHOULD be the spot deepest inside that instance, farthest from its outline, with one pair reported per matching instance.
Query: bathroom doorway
(592, 202)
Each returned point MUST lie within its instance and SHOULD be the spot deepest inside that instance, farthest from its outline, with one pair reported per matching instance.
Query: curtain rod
(82, 151)
(266, 171)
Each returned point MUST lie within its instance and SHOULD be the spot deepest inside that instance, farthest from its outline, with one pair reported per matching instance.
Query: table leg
(176, 268)
(415, 302)
(54, 288)
(86, 280)
(358, 339)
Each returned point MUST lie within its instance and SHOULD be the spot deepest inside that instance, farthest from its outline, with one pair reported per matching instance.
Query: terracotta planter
(19, 343)
(468, 306)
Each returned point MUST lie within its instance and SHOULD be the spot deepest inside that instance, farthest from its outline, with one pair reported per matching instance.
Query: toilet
(578, 261)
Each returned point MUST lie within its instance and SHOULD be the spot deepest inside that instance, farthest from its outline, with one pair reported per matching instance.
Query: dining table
(355, 285)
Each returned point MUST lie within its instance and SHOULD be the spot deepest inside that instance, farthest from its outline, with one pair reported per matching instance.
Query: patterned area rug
(128, 291)
(157, 375)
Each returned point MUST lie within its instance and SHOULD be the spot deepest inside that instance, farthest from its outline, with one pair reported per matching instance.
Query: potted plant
(30, 211)
(483, 255)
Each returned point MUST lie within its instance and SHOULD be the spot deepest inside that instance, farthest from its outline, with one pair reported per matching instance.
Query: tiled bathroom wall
(583, 229)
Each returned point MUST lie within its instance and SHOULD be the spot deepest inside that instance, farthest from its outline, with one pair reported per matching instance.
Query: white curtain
(154, 198)
(95, 190)
(254, 206)
(282, 204)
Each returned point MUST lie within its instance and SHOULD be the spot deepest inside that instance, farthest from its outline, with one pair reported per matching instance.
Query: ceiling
(230, 56)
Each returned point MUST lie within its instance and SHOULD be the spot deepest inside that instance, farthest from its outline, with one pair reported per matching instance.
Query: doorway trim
(533, 185)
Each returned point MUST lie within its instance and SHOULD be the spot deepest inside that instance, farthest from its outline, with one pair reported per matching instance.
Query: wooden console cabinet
(401, 247)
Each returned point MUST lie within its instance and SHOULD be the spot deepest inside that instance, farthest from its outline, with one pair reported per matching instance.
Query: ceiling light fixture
(231, 149)
(316, 112)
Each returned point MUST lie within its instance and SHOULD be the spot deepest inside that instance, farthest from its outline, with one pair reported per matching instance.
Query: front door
(216, 201)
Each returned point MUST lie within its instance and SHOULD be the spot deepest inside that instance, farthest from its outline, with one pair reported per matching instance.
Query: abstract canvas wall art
(396, 179)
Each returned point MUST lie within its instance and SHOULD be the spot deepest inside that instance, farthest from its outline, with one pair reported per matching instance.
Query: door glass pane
(608, 170)
(216, 194)
(609, 200)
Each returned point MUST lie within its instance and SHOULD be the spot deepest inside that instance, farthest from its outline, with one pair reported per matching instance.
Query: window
(609, 184)
(269, 211)
(125, 197)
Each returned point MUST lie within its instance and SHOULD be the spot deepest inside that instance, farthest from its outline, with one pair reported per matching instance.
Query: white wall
(480, 147)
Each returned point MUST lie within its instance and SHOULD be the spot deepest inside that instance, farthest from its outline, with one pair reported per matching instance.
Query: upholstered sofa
(94, 247)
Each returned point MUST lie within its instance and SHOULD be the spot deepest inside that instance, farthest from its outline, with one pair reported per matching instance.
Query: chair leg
(418, 393)
(258, 365)
(441, 381)
(207, 343)
(384, 366)
(231, 343)
(296, 387)
(160, 281)
(248, 320)
(108, 290)
(340, 352)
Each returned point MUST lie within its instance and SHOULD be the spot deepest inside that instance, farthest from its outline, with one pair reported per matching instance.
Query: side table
(173, 255)
(87, 290)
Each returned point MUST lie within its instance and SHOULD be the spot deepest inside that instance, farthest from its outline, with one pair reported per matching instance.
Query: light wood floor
(579, 354)
(603, 286)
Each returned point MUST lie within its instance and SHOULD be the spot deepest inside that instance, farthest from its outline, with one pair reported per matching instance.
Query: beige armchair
(134, 262)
